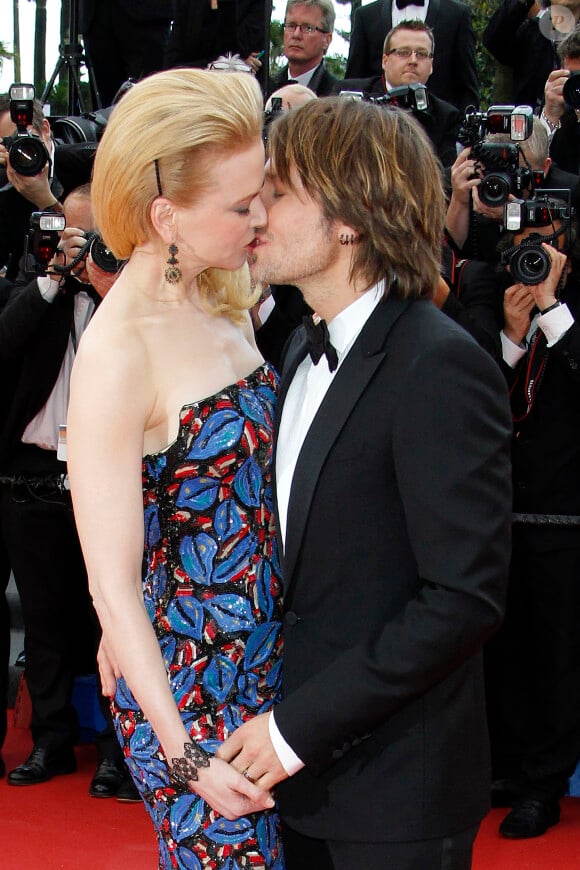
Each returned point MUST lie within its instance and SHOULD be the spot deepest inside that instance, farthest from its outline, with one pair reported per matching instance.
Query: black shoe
(530, 818)
(41, 765)
(127, 792)
(107, 779)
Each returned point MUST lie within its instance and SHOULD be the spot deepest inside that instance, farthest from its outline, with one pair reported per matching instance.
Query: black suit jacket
(395, 566)
(516, 41)
(139, 10)
(565, 144)
(323, 83)
(200, 34)
(34, 336)
(454, 77)
(441, 121)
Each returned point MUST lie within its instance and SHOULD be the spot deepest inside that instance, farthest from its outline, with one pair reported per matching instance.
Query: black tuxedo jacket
(454, 77)
(565, 144)
(323, 83)
(441, 121)
(546, 449)
(33, 340)
(395, 566)
(139, 10)
(516, 41)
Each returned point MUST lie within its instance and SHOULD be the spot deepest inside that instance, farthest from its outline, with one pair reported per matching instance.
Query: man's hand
(34, 188)
(517, 305)
(253, 61)
(465, 175)
(553, 95)
(544, 294)
(250, 751)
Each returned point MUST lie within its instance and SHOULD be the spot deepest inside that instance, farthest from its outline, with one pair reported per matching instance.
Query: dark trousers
(119, 47)
(449, 853)
(49, 571)
(533, 669)
(4, 636)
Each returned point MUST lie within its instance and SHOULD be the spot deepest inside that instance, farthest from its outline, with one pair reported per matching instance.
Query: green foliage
(58, 97)
(486, 65)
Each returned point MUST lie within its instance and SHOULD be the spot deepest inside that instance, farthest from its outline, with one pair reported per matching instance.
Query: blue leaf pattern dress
(211, 585)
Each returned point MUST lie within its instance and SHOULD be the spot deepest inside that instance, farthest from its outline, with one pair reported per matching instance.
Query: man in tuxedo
(124, 39)
(408, 60)
(308, 28)
(454, 76)
(393, 506)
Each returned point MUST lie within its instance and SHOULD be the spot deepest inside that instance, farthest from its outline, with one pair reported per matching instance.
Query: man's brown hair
(374, 169)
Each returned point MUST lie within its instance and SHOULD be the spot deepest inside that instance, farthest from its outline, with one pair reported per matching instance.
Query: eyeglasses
(405, 53)
(305, 29)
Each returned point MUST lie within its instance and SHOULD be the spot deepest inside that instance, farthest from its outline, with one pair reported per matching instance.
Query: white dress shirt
(305, 395)
(553, 324)
(409, 13)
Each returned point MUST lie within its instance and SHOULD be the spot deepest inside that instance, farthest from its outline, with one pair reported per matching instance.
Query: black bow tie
(319, 344)
(72, 286)
(402, 4)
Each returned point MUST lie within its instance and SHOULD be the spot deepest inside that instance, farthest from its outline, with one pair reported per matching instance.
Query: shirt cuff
(555, 323)
(511, 352)
(287, 757)
(48, 288)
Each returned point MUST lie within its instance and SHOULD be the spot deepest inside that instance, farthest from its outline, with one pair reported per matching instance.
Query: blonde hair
(374, 169)
(176, 124)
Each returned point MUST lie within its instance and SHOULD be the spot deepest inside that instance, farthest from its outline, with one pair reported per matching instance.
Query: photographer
(407, 62)
(39, 332)
(533, 664)
(473, 226)
(26, 194)
(561, 111)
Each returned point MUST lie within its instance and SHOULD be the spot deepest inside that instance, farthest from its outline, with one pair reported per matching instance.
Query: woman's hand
(108, 671)
(228, 792)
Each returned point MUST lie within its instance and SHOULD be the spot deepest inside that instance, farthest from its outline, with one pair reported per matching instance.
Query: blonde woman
(170, 436)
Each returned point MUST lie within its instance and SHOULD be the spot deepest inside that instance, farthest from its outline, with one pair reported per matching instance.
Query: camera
(502, 173)
(270, 115)
(529, 263)
(571, 90)
(413, 97)
(100, 254)
(44, 237)
(26, 152)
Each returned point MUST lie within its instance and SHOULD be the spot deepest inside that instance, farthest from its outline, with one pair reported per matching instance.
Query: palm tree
(16, 32)
(40, 46)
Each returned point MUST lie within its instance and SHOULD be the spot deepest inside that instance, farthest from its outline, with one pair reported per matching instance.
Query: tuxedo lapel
(350, 382)
(432, 13)
(386, 17)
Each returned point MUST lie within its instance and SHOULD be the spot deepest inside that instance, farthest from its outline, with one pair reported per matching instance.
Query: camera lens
(28, 155)
(571, 91)
(530, 264)
(103, 257)
(495, 188)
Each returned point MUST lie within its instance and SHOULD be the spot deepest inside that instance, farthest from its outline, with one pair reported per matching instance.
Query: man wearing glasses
(408, 61)
(308, 27)
(454, 71)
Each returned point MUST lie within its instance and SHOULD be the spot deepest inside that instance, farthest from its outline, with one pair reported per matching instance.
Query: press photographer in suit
(394, 559)
(308, 28)
(408, 61)
(454, 77)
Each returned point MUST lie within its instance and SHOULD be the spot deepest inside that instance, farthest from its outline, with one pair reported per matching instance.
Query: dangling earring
(346, 239)
(173, 273)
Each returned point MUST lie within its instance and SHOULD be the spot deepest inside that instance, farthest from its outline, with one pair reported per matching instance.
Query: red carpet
(57, 826)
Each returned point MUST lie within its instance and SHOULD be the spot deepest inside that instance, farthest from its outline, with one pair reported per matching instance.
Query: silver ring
(247, 776)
